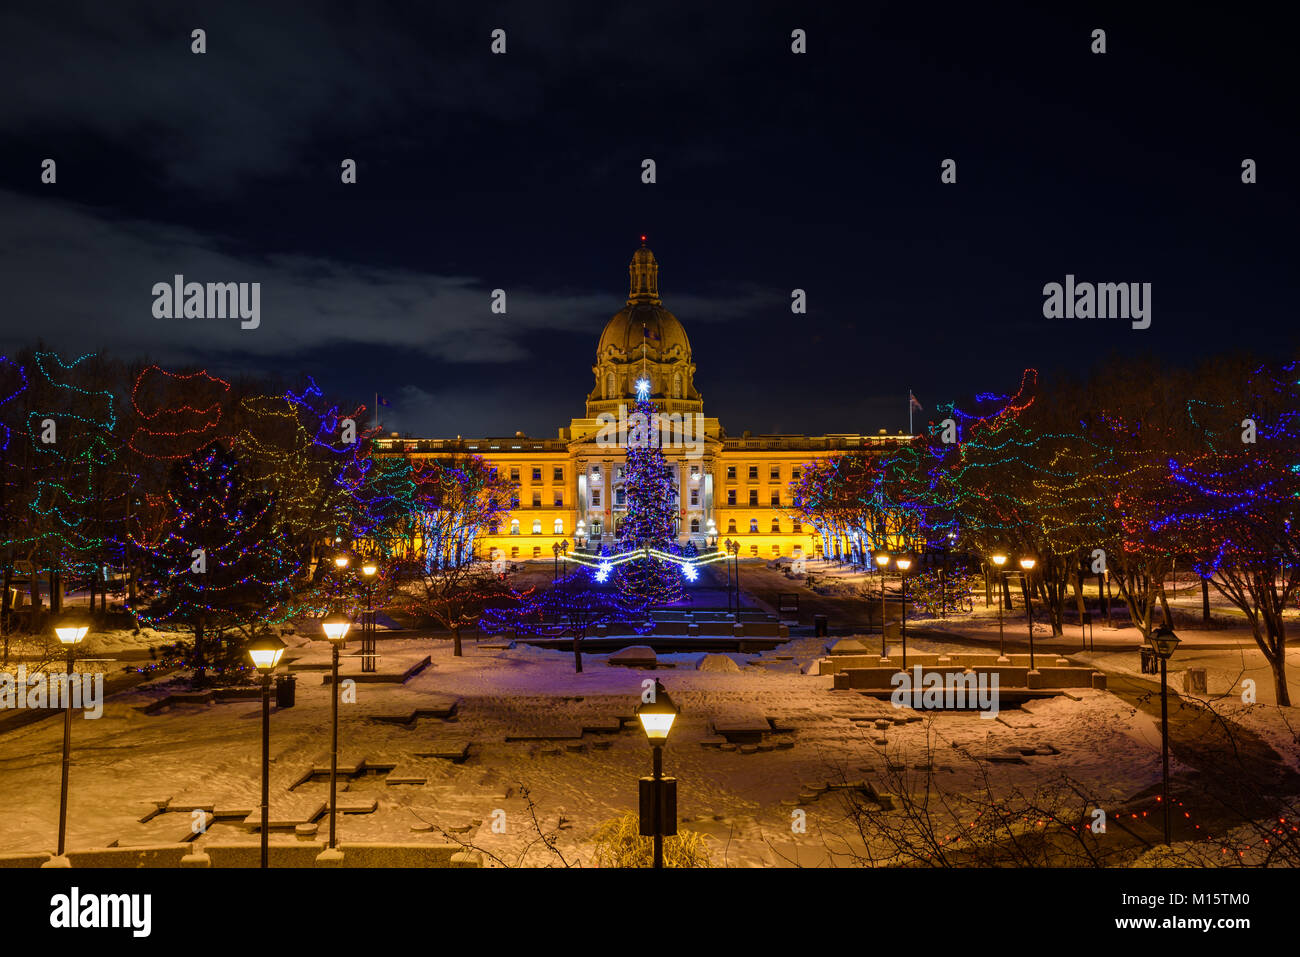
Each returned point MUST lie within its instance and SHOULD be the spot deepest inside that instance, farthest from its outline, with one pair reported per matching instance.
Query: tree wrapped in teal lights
(220, 567)
(650, 519)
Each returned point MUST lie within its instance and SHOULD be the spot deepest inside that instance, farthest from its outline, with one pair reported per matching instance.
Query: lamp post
(265, 654)
(369, 637)
(658, 794)
(998, 561)
(1164, 641)
(883, 561)
(336, 628)
(1028, 565)
(735, 551)
(70, 629)
(903, 565)
(727, 547)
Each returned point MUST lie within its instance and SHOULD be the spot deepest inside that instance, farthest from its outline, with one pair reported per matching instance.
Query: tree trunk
(1164, 606)
(455, 640)
(1205, 601)
(200, 659)
(577, 652)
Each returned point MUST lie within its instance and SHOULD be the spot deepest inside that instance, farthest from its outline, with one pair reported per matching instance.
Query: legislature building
(570, 487)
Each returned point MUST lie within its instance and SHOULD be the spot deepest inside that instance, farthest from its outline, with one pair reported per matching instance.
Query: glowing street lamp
(1000, 560)
(71, 629)
(903, 565)
(658, 794)
(1165, 642)
(882, 560)
(336, 628)
(265, 654)
(341, 562)
(368, 631)
(1028, 565)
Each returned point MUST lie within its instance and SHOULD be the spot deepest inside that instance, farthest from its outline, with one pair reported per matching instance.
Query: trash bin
(1149, 666)
(1194, 681)
(819, 626)
(285, 689)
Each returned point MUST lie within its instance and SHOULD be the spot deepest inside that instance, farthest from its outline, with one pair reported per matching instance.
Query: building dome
(643, 340)
(643, 324)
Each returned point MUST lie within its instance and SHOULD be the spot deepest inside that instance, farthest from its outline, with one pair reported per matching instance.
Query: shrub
(619, 844)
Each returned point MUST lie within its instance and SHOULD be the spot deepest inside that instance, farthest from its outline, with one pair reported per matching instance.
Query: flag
(646, 333)
(912, 403)
(381, 400)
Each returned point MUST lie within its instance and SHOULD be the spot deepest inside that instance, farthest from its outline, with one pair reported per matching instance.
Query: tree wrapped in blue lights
(650, 519)
(221, 568)
(570, 608)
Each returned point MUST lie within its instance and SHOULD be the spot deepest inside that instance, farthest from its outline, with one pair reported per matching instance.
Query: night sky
(523, 172)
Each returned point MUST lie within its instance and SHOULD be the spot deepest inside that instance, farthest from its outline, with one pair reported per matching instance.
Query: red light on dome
(642, 239)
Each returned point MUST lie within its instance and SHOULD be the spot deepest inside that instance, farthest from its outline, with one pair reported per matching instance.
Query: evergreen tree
(220, 565)
(651, 511)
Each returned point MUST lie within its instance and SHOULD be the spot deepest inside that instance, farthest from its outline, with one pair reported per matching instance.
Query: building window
(537, 551)
(753, 473)
(695, 496)
(731, 526)
(514, 501)
(677, 386)
(514, 473)
(595, 473)
(537, 500)
(731, 472)
(620, 497)
(595, 496)
(611, 386)
(776, 526)
(731, 496)
(537, 474)
(695, 471)
(559, 526)
(776, 550)
(557, 474)
(537, 526)
(775, 473)
(595, 528)
(796, 474)
(753, 496)
(618, 472)
(559, 500)
(514, 552)
(798, 528)
(753, 551)
(514, 526)
(776, 499)
(695, 525)
(753, 526)
(494, 528)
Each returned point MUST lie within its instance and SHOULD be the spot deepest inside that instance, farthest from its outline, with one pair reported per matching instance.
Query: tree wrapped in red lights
(650, 495)
(220, 568)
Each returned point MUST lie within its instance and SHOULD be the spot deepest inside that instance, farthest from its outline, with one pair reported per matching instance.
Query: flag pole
(909, 413)
(376, 411)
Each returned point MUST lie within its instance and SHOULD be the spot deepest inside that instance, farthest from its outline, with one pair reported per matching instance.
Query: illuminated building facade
(570, 487)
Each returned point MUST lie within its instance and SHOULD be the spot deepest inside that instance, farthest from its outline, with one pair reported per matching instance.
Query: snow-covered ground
(509, 700)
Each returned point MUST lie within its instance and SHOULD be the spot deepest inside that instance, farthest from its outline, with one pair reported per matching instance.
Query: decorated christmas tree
(651, 511)
(220, 569)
